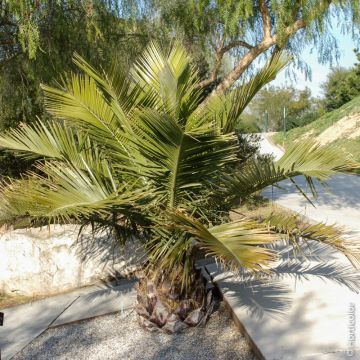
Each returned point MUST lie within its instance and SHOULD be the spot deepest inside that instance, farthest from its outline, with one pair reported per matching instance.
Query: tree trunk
(162, 305)
(242, 66)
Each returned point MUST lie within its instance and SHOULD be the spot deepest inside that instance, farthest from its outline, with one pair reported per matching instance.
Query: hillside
(341, 126)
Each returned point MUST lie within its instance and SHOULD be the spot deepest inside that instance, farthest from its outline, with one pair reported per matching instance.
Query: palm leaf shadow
(270, 295)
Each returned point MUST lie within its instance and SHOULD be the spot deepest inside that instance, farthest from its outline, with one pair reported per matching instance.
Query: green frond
(171, 77)
(297, 231)
(61, 142)
(175, 161)
(224, 110)
(122, 93)
(311, 159)
(48, 140)
(170, 251)
(306, 158)
(82, 102)
(236, 244)
(51, 140)
(67, 192)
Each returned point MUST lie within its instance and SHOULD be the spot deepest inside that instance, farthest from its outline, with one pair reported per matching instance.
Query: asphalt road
(339, 204)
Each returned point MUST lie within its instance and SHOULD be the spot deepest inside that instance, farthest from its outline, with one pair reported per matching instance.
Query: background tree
(341, 86)
(300, 107)
(37, 42)
(249, 30)
(248, 124)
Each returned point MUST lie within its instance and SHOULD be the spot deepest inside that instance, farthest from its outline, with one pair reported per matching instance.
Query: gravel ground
(120, 337)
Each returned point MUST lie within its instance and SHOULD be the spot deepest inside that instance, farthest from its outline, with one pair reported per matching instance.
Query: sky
(319, 72)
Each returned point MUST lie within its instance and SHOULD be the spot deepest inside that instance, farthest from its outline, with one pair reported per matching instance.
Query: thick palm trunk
(161, 304)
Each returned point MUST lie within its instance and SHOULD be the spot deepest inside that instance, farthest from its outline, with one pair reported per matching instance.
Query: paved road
(339, 204)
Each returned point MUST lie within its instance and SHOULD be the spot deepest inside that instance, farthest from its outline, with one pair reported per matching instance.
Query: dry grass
(346, 128)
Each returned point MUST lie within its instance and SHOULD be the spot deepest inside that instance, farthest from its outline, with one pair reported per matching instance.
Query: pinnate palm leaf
(68, 192)
(297, 232)
(307, 158)
(224, 111)
(176, 161)
(236, 244)
(171, 77)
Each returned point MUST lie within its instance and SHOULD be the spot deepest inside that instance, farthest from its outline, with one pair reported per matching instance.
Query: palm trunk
(162, 304)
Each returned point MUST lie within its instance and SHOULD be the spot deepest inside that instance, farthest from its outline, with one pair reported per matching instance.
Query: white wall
(53, 259)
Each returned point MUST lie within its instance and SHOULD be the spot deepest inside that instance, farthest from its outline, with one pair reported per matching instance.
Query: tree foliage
(269, 104)
(248, 30)
(91, 28)
(341, 86)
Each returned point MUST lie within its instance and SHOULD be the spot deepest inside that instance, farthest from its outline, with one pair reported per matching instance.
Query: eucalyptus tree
(140, 153)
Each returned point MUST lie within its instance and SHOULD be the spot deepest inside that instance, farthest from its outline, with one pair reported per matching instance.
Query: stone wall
(52, 259)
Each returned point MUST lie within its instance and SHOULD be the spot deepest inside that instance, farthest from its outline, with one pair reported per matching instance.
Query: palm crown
(144, 152)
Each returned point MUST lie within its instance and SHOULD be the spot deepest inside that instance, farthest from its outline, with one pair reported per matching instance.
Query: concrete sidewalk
(339, 204)
(25, 322)
(302, 318)
(294, 320)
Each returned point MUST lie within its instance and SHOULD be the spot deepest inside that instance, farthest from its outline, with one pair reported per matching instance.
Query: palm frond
(224, 110)
(170, 251)
(51, 140)
(307, 158)
(121, 92)
(61, 142)
(297, 232)
(236, 244)
(171, 77)
(311, 159)
(68, 192)
(175, 161)
(82, 102)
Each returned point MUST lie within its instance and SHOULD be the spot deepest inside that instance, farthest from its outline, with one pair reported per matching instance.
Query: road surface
(339, 204)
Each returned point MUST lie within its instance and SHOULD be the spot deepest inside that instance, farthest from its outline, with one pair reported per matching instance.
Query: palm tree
(142, 153)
